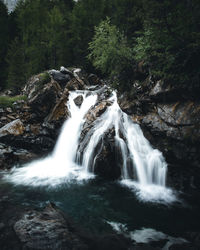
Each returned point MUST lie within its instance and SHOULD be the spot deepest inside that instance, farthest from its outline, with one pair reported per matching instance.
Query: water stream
(138, 156)
(138, 205)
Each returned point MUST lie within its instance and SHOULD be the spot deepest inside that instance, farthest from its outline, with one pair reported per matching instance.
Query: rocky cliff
(170, 118)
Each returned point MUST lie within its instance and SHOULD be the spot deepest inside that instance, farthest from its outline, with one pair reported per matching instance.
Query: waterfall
(147, 163)
(60, 166)
(138, 156)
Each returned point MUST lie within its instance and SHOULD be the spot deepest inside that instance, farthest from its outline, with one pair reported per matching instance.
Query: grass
(7, 101)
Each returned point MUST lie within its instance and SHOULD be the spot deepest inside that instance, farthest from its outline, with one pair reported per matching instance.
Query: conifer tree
(16, 66)
(4, 38)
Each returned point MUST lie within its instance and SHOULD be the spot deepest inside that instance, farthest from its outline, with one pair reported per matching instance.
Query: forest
(100, 125)
(109, 37)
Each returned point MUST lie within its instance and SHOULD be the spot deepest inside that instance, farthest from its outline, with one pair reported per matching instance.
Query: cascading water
(60, 166)
(138, 156)
(148, 163)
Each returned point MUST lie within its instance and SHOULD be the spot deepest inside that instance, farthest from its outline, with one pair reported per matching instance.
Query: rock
(11, 117)
(78, 100)
(60, 111)
(10, 156)
(60, 77)
(9, 110)
(45, 99)
(47, 230)
(75, 84)
(35, 84)
(96, 111)
(78, 73)
(94, 80)
(15, 127)
(65, 71)
(108, 158)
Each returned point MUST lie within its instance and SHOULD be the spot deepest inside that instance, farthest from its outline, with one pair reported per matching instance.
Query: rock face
(47, 230)
(170, 119)
(30, 128)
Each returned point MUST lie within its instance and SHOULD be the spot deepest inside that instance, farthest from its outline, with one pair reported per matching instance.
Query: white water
(146, 235)
(148, 163)
(60, 166)
(138, 157)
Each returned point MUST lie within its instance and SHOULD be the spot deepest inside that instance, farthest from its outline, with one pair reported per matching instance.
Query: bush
(109, 52)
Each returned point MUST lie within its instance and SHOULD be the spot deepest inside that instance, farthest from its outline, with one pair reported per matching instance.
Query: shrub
(109, 52)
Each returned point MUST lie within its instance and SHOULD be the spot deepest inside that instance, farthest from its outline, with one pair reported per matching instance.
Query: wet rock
(169, 117)
(75, 84)
(15, 127)
(97, 111)
(78, 100)
(10, 156)
(47, 230)
(107, 162)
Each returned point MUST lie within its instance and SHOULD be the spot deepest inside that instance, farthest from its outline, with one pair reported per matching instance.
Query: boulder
(15, 127)
(66, 71)
(75, 84)
(62, 77)
(35, 83)
(43, 100)
(78, 100)
(47, 229)
(10, 156)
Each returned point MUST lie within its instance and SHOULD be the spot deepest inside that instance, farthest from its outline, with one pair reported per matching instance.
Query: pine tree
(4, 38)
(16, 66)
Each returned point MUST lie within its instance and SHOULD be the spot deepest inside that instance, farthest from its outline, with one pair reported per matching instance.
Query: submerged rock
(47, 230)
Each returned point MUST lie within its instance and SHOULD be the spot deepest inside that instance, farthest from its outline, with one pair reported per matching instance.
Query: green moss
(43, 79)
(7, 101)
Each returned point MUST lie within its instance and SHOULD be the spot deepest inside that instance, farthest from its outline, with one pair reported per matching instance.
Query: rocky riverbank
(168, 116)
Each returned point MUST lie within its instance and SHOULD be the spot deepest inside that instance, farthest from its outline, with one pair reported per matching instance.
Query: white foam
(151, 192)
(60, 167)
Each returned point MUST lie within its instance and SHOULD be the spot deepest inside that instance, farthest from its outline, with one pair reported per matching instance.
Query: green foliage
(7, 101)
(16, 66)
(85, 15)
(44, 34)
(170, 41)
(109, 51)
(3, 43)
(44, 78)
